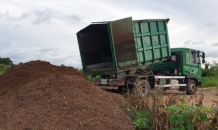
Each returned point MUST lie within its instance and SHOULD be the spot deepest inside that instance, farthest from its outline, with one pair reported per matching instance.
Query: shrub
(209, 81)
(210, 70)
(91, 78)
(4, 68)
(187, 117)
(172, 113)
(142, 120)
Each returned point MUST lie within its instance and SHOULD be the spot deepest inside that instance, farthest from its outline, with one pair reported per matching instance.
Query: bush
(172, 113)
(210, 75)
(186, 117)
(210, 70)
(4, 68)
(142, 120)
(91, 78)
(210, 81)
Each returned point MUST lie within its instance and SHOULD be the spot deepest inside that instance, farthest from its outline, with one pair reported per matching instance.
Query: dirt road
(210, 95)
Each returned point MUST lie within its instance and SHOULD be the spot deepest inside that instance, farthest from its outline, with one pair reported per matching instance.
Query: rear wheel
(120, 88)
(143, 87)
(191, 88)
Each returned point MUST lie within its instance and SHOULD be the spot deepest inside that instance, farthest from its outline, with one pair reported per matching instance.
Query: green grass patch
(210, 81)
(2, 72)
(4, 68)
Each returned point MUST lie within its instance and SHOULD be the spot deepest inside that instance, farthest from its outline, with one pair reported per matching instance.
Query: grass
(2, 72)
(210, 81)
(173, 113)
(4, 68)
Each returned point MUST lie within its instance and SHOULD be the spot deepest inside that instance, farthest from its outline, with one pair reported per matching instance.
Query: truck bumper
(109, 87)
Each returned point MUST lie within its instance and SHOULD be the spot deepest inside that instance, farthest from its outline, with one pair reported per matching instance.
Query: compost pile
(38, 95)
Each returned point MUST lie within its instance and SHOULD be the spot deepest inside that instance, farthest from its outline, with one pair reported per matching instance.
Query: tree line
(210, 70)
(6, 61)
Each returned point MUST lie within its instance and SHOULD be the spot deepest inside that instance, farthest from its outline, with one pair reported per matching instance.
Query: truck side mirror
(203, 60)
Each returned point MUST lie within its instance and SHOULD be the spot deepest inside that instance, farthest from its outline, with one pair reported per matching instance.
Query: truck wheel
(191, 89)
(144, 87)
(119, 89)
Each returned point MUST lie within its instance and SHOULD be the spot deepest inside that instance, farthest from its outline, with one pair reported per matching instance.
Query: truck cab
(184, 62)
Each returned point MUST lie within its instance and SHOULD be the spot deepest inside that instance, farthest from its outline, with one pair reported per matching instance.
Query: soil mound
(48, 100)
(23, 74)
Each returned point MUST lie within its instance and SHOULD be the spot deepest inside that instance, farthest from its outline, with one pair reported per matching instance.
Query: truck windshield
(195, 58)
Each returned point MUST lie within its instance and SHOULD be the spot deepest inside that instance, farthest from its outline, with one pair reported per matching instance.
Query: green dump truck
(121, 51)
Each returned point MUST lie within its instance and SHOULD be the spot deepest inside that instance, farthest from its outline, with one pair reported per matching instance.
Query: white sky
(46, 29)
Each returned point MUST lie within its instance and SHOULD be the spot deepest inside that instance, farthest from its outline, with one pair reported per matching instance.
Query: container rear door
(124, 44)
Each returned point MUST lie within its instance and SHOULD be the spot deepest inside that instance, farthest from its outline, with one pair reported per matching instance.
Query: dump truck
(122, 52)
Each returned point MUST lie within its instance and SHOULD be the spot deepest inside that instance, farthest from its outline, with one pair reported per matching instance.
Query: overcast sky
(46, 29)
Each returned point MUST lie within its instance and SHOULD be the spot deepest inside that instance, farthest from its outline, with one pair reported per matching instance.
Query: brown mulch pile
(38, 95)
(20, 75)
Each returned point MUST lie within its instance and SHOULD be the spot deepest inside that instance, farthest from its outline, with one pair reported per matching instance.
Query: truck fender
(188, 77)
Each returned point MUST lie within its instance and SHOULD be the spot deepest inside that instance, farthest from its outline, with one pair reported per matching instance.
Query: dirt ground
(210, 95)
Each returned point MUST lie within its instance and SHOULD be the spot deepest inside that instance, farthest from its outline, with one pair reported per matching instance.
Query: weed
(173, 113)
(130, 110)
(142, 120)
(189, 117)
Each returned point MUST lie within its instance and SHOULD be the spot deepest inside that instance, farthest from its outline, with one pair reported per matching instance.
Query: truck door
(192, 66)
(124, 43)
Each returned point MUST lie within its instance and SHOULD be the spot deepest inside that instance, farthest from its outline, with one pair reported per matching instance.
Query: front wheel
(191, 88)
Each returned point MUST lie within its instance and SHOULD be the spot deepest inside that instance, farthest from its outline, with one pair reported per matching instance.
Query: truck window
(173, 57)
(195, 58)
(187, 55)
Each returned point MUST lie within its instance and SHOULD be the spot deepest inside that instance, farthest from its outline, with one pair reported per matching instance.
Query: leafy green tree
(6, 61)
(210, 70)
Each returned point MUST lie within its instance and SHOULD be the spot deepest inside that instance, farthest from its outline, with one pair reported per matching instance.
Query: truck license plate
(103, 81)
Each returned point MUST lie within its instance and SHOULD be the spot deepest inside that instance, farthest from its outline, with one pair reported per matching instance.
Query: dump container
(116, 46)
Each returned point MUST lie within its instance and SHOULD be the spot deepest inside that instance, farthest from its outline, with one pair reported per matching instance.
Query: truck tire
(144, 87)
(191, 88)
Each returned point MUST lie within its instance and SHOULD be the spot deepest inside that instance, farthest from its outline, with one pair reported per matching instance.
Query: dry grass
(157, 104)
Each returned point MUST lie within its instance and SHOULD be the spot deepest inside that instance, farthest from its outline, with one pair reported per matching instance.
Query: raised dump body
(113, 47)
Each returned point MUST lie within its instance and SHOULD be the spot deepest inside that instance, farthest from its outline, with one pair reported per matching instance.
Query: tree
(6, 61)
(210, 69)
